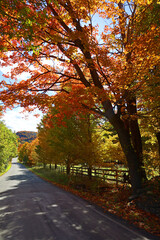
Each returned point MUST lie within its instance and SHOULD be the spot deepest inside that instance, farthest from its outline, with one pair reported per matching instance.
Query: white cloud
(5, 70)
(23, 76)
(14, 119)
(17, 121)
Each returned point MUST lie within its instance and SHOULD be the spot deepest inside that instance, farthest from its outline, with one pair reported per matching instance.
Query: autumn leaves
(98, 73)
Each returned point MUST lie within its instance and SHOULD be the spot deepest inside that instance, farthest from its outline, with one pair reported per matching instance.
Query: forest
(8, 146)
(85, 141)
(26, 136)
(96, 58)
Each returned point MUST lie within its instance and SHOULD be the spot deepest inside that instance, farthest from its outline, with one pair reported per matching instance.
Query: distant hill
(26, 136)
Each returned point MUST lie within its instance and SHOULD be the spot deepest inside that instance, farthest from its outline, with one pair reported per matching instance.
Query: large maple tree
(101, 72)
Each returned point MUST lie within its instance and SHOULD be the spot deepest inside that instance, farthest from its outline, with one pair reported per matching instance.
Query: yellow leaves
(120, 64)
(27, 152)
(143, 2)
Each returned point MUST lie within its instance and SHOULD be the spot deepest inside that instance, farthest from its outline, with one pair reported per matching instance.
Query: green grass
(80, 183)
(51, 175)
(6, 170)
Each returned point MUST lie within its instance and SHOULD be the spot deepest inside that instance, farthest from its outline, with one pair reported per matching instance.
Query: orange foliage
(60, 49)
(107, 71)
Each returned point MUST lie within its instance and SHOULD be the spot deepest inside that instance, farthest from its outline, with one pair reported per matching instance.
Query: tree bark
(68, 168)
(158, 139)
(130, 154)
(134, 164)
(135, 134)
(90, 172)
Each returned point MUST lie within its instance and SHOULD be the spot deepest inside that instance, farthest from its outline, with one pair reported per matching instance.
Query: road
(32, 209)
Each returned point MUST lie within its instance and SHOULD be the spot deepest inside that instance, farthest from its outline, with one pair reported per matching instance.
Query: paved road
(32, 209)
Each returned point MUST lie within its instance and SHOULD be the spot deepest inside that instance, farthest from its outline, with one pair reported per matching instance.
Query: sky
(16, 120)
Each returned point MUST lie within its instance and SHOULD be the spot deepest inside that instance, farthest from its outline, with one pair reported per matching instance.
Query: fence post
(116, 178)
(76, 171)
(90, 172)
(103, 174)
(81, 171)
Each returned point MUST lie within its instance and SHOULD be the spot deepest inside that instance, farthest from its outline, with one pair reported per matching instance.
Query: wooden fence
(109, 175)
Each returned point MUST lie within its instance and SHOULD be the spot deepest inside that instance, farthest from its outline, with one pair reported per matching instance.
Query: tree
(27, 153)
(76, 142)
(23, 152)
(111, 146)
(102, 76)
(45, 150)
(150, 149)
(8, 146)
(32, 154)
(149, 98)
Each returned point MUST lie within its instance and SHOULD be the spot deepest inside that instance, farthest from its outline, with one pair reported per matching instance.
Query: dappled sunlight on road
(32, 209)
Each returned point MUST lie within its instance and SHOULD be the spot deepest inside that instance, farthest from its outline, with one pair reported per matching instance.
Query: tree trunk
(137, 144)
(134, 164)
(135, 134)
(158, 139)
(55, 166)
(90, 141)
(50, 166)
(90, 172)
(68, 168)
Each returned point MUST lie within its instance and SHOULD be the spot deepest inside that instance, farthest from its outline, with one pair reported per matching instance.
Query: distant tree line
(26, 136)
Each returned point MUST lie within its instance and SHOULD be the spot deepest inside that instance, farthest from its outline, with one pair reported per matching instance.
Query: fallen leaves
(115, 201)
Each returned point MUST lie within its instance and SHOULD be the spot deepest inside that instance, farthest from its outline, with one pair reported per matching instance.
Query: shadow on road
(32, 209)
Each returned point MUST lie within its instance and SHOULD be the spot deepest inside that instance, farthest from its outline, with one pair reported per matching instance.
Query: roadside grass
(5, 170)
(111, 198)
(51, 175)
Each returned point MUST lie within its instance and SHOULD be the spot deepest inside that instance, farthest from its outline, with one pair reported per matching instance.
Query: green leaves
(74, 141)
(8, 146)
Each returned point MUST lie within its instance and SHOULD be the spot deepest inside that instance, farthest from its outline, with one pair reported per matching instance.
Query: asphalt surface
(32, 209)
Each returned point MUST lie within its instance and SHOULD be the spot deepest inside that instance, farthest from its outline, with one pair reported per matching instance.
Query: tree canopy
(8, 146)
(100, 69)
(60, 46)
(76, 142)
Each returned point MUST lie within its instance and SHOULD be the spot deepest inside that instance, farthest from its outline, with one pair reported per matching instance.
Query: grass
(51, 175)
(109, 197)
(5, 170)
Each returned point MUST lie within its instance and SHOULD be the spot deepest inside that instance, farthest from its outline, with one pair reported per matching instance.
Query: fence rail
(109, 175)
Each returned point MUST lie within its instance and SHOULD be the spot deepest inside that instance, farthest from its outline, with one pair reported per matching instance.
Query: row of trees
(27, 153)
(78, 141)
(86, 141)
(111, 71)
(8, 146)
